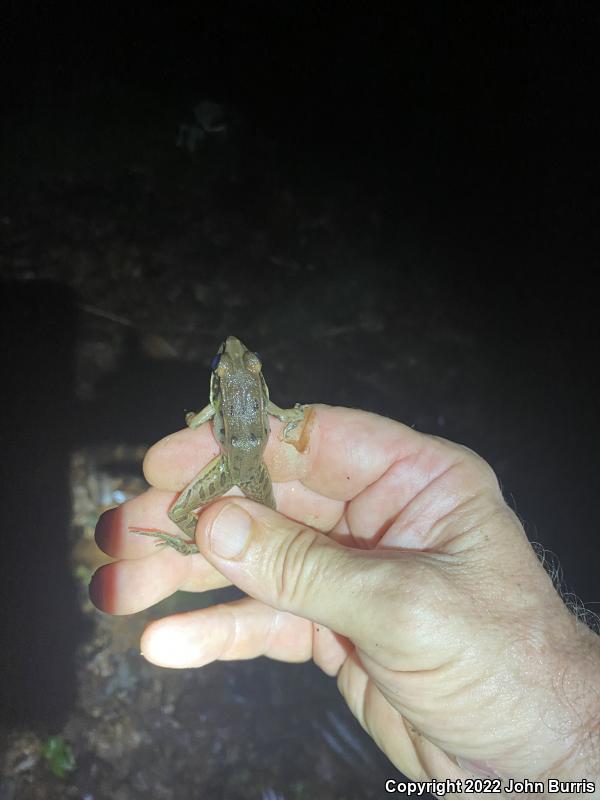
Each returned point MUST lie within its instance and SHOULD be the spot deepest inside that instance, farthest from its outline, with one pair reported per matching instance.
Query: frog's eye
(252, 362)
(215, 362)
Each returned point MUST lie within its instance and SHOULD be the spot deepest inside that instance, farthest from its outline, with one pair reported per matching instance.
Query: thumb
(297, 569)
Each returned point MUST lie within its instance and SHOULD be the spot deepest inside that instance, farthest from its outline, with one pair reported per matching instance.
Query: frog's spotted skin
(239, 407)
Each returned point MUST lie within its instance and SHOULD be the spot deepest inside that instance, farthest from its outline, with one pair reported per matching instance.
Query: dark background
(403, 218)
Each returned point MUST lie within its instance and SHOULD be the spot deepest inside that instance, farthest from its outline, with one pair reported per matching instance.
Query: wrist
(563, 740)
(578, 689)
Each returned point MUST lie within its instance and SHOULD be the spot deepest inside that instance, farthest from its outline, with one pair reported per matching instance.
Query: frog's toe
(293, 424)
(184, 546)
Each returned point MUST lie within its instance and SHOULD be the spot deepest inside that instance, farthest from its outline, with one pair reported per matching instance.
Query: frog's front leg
(212, 482)
(292, 416)
(194, 420)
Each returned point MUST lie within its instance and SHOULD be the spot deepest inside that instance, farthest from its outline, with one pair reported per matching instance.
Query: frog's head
(233, 356)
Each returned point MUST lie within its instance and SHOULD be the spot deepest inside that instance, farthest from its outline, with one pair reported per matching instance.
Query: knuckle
(470, 464)
(478, 470)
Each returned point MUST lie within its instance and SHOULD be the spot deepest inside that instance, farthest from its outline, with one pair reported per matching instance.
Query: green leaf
(59, 756)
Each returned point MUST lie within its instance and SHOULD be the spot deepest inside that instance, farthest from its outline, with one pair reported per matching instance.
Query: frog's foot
(294, 417)
(291, 416)
(186, 547)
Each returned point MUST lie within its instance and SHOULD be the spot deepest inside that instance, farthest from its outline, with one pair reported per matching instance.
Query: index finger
(345, 450)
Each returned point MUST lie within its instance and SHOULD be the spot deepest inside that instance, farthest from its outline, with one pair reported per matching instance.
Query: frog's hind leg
(186, 547)
(260, 487)
(212, 482)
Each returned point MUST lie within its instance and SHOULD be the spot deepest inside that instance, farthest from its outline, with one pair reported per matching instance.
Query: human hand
(395, 565)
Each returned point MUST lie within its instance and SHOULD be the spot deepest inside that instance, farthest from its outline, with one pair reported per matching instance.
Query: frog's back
(245, 425)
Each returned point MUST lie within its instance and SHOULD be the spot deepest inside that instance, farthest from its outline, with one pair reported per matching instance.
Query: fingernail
(230, 531)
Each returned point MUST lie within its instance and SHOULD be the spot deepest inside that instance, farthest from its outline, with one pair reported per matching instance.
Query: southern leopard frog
(239, 407)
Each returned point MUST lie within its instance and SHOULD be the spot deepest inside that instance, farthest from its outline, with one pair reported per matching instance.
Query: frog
(239, 408)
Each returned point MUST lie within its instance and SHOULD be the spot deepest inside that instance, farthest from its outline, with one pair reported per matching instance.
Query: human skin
(395, 564)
